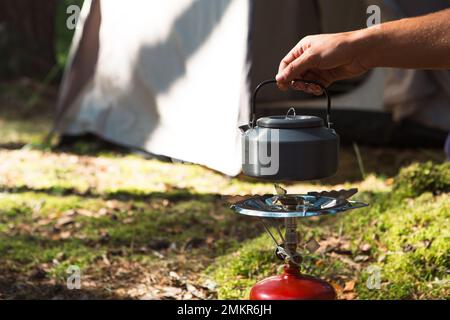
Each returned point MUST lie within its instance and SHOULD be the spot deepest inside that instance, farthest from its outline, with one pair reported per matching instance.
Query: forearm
(419, 43)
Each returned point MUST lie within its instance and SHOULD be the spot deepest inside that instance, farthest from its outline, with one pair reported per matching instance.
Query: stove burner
(289, 207)
(294, 205)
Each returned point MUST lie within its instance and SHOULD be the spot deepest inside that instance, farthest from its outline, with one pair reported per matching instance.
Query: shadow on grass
(12, 145)
(174, 195)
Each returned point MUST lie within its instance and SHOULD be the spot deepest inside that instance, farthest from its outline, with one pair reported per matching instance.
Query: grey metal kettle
(289, 147)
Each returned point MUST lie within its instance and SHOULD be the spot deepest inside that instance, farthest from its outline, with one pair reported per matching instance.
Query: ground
(146, 229)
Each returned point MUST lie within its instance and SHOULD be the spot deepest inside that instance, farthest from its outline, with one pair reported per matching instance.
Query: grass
(412, 243)
(142, 228)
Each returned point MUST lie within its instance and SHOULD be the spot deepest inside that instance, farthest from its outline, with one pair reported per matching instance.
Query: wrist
(365, 44)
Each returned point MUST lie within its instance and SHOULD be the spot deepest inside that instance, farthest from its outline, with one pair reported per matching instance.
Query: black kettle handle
(262, 84)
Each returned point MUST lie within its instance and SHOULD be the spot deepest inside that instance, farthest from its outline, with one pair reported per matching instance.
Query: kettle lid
(290, 122)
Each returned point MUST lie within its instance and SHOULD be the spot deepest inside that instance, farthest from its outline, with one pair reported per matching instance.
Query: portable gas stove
(301, 148)
(287, 208)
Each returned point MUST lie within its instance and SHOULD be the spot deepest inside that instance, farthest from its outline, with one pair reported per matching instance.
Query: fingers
(322, 77)
(286, 61)
(291, 56)
(295, 69)
(307, 87)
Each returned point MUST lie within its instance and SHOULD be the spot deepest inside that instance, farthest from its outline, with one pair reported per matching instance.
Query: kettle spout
(244, 128)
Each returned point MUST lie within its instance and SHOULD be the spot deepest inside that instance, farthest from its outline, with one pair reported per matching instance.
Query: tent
(173, 77)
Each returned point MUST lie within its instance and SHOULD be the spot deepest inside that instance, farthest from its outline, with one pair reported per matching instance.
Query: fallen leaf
(361, 258)
(64, 221)
(65, 235)
(210, 240)
(312, 245)
(195, 292)
(350, 296)
(174, 276)
(157, 254)
(187, 296)
(85, 213)
(336, 286)
(349, 286)
(210, 285)
(165, 203)
(106, 260)
(365, 247)
(102, 212)
(113, 204)
(148, 296)
(171, 292)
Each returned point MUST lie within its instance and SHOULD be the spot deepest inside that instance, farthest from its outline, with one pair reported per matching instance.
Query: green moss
(236, 272)
(415, 234)
(425, 177)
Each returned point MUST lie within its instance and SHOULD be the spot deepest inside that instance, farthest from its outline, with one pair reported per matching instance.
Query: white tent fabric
(170, 78)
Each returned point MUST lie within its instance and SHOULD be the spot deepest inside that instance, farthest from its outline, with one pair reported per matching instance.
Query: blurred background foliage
(34, 39)
(63, 36)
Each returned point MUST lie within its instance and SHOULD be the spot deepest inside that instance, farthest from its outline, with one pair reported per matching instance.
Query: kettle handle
(259, 86)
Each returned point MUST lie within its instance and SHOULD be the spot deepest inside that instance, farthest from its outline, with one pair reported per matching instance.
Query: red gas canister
(291, 285)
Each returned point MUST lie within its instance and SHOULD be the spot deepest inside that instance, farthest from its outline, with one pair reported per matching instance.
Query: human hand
(324, 59)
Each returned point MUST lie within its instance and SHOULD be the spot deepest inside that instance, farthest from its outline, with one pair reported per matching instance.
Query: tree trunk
(27, 37)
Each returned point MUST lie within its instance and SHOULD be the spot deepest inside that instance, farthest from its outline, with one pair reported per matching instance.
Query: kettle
(289, 147)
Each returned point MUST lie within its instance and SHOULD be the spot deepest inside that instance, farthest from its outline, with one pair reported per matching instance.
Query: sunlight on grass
(20, 132)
